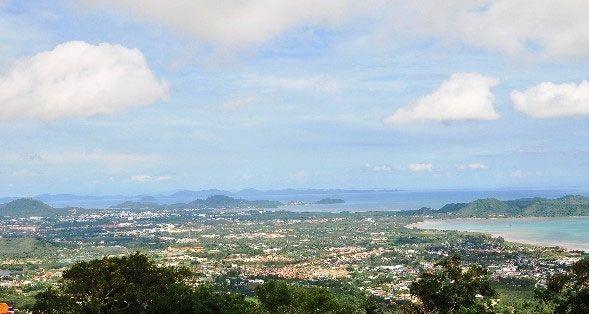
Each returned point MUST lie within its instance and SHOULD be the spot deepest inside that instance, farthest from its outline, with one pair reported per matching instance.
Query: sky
(130, 97)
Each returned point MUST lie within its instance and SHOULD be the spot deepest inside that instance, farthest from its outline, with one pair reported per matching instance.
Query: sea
(568, 232)
(356, 201)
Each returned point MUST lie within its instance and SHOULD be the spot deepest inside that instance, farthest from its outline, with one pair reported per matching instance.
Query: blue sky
(102, 97)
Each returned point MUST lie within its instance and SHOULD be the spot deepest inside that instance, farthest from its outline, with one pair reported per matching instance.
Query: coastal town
(375, 253)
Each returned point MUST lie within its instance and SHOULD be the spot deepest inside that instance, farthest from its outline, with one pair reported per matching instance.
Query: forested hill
(570, 205)
(212, 202)
(26, 207)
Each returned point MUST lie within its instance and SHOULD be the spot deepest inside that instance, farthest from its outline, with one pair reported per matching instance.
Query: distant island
(211, 202)
(570, 205)
(328, 201)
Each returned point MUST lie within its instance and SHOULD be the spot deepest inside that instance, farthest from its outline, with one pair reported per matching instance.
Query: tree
(133, 284)
(281, 297)
(450, 289)
(568, 292)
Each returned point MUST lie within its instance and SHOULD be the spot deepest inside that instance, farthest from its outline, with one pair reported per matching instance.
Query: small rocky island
(327, 201)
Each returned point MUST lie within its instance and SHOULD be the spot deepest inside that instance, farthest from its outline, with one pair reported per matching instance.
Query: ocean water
(568, 232)
(362, 201)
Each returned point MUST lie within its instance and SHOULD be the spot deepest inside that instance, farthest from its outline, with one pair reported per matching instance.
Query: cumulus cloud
(235, 23)
(147, 178)
(548, 27)
(551, 28)
(77, 79)
(472, 166)
(420, 167)
(465, 96)
(550, 100)
(379, 168)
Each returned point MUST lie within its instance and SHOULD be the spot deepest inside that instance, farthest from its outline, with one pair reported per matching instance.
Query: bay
(567, 232)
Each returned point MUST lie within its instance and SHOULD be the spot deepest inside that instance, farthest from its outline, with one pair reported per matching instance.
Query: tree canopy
(450, 289)
(279, 297)
(134, 284)
(568, 292)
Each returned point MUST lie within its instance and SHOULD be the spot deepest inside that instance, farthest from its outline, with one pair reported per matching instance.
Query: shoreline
(509, 236)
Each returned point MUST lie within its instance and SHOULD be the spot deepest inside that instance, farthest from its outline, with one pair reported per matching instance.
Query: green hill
(226, 202)
(26, 207)
(489, 207)
(211, 202)
(541, 207)
(571, 205)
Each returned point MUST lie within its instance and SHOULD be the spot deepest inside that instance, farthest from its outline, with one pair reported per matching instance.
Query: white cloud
(548, 27)
(420, 167)
(236, 23)
(551, 28)
(379, 168)
(382, 168)
(472, 166)
(77, 79)
(550, 100)
(465, 96)
(237, 103)
(147, 178)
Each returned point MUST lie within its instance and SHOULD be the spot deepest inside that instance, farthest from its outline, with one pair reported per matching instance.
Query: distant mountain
(249, 192)
(227, 202)
(148, 199)
(26, 207)
(198, 194)
(327, 201)
(571, 205)
(211, 202)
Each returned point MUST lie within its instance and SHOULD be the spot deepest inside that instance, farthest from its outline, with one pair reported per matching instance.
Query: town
(373, 253)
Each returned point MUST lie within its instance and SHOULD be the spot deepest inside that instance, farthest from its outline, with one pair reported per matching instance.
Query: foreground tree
(450, 289)
(280, 297)
(568, 292)
(134, 284)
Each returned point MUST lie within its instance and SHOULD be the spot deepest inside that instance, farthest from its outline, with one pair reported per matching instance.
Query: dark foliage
(280, 297)
(568, 292)
(450, 289)
(133, 284)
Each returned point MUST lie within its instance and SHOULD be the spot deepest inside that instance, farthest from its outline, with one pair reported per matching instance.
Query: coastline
(510, 236)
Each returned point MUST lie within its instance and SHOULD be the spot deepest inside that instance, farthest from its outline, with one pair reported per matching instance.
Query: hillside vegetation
(570, 205)
(211, 202)
(26, 207)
